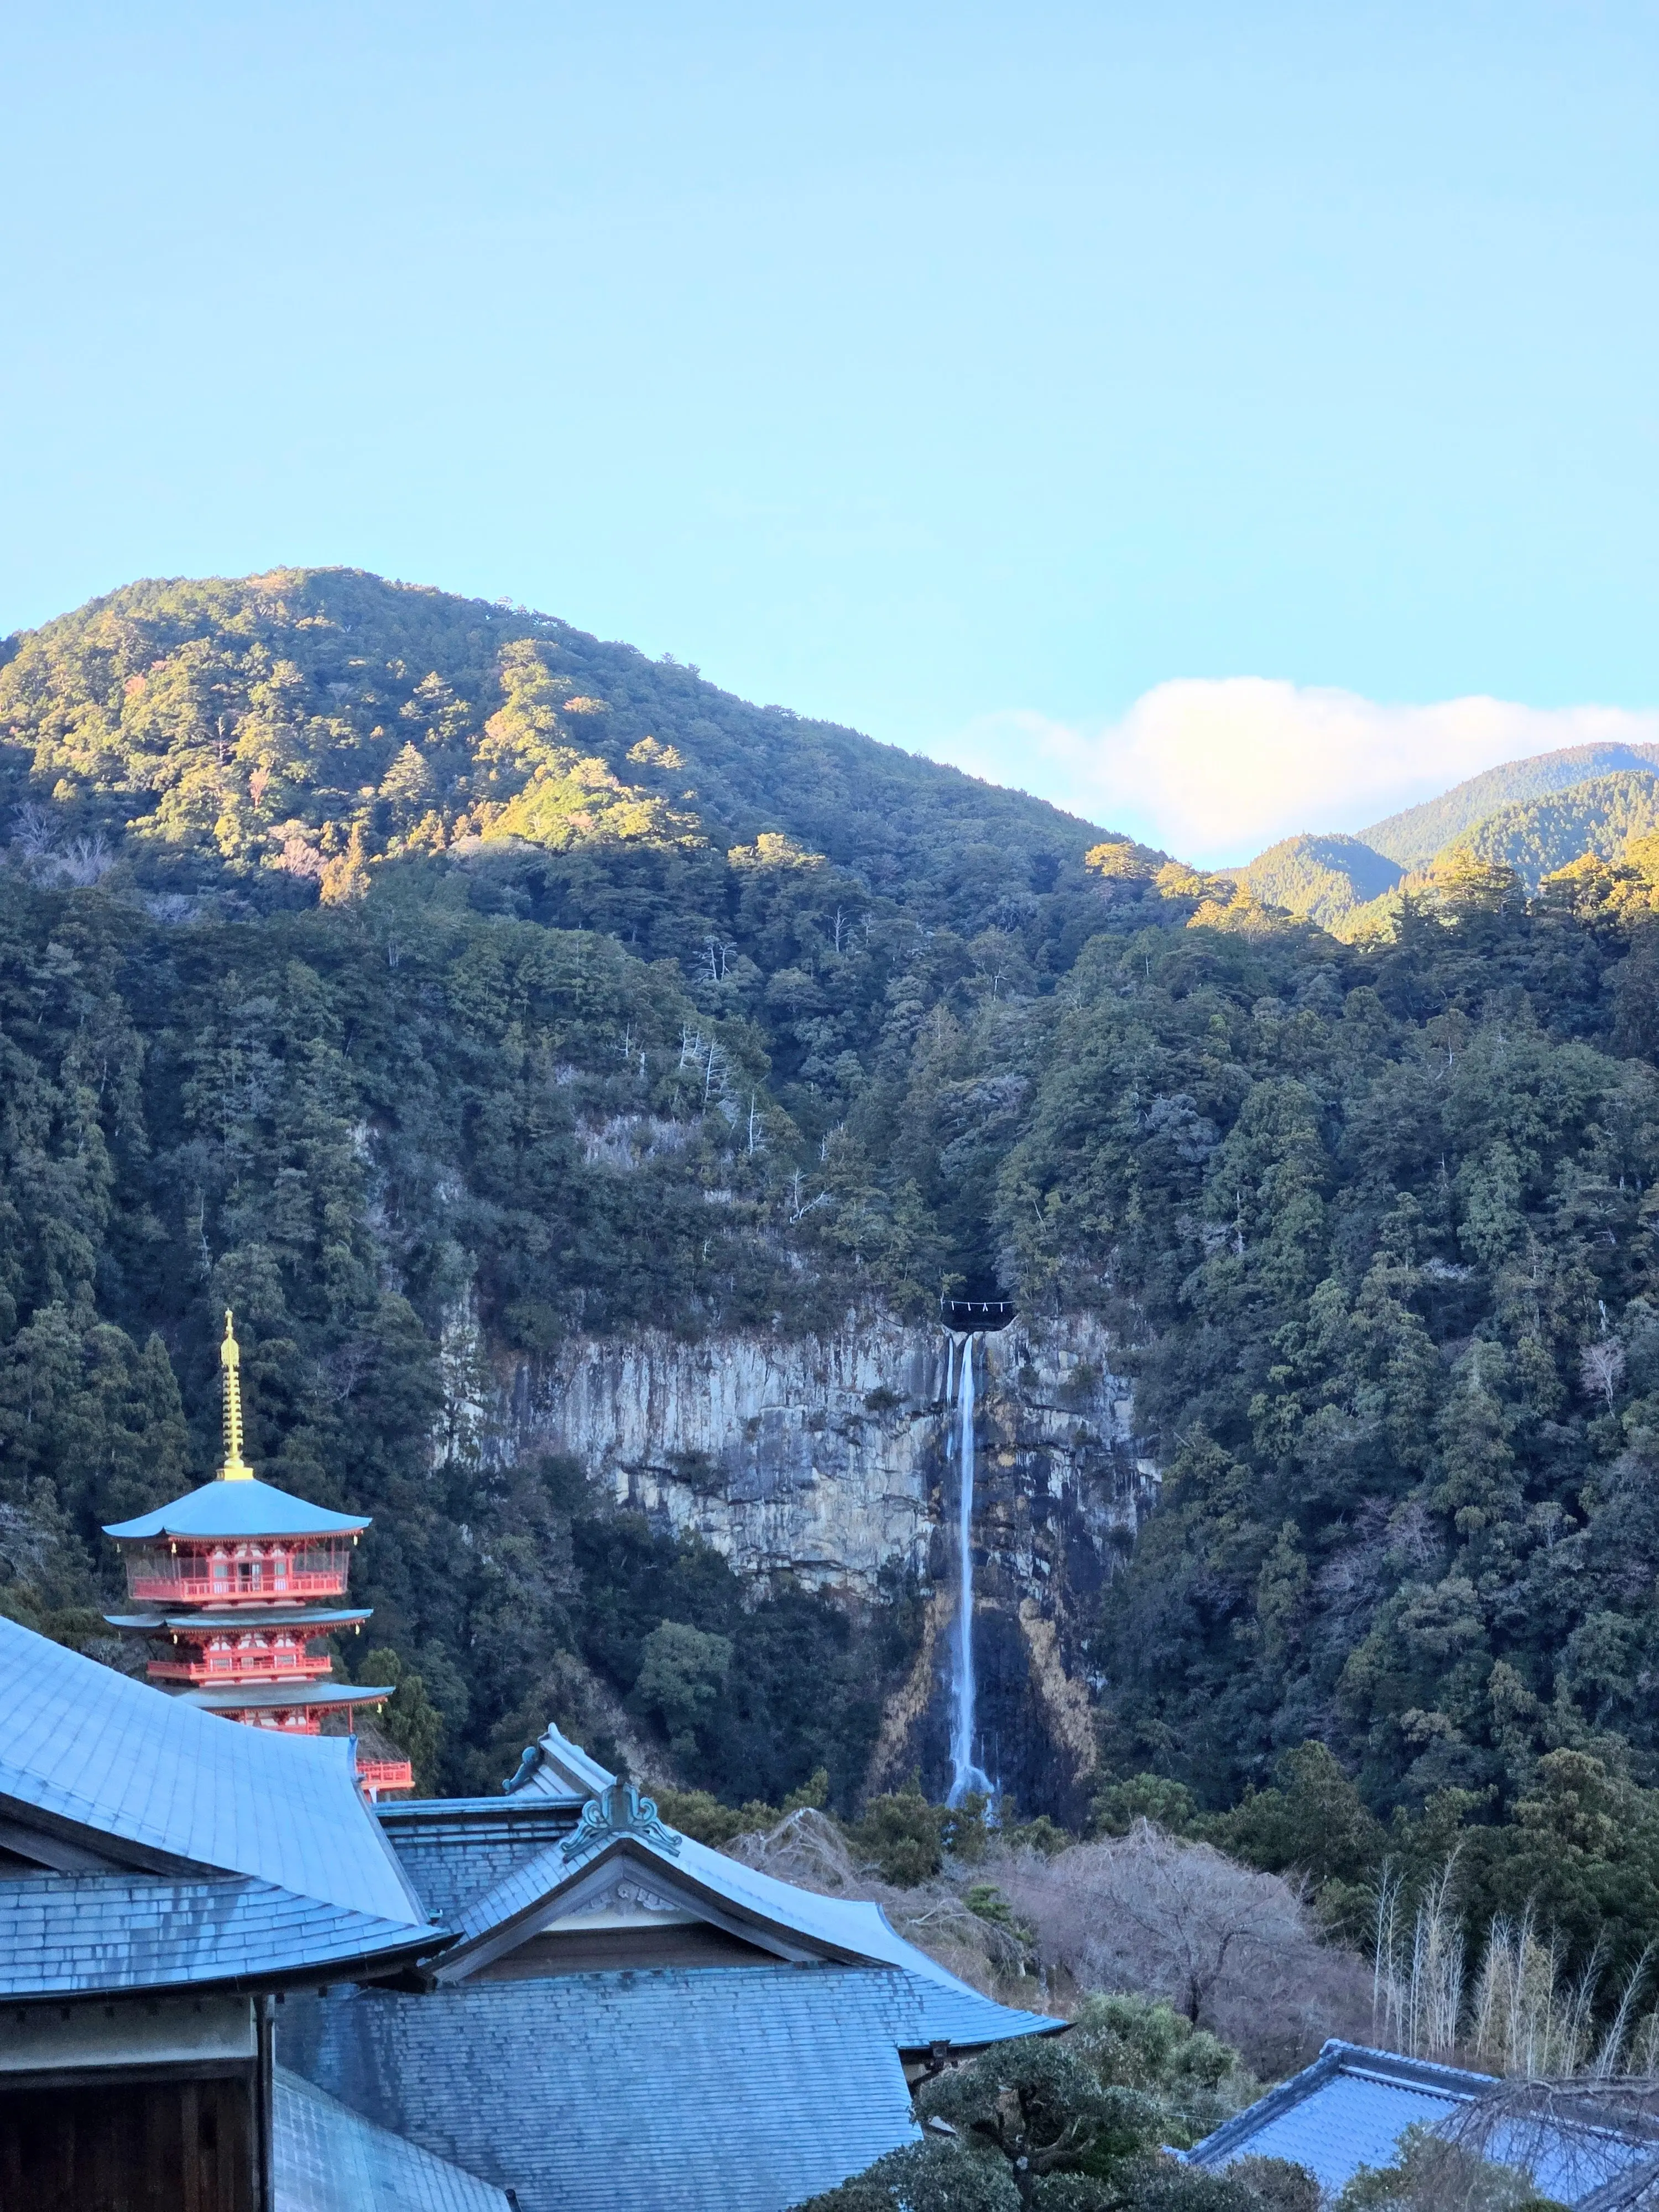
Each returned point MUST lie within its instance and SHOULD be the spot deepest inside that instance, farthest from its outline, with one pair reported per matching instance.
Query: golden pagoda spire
(236, 1468)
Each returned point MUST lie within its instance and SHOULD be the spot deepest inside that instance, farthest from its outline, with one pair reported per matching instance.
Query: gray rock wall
(833, 1458)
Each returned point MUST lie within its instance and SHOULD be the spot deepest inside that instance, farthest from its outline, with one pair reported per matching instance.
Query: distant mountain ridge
(1534, 816)
(1596, 816)
(1415, 836)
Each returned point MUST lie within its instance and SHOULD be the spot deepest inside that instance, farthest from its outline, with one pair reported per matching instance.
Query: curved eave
(281, 1697)
(238, 1512)
(196, 1624)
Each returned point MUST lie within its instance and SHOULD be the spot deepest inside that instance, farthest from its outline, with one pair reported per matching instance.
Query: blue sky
(1008, 381)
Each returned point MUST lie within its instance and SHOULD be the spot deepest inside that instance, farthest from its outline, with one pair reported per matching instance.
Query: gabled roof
(245, 1508)
(1351, 2107)
(113, 1764)
(796, 1923)
(729, 2089)
(92, 1934)
(326, 2158)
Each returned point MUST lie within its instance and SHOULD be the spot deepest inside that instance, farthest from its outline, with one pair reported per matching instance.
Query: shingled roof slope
(730, 2089)
(327, 2158)
(114, 1759)
(89, 1934)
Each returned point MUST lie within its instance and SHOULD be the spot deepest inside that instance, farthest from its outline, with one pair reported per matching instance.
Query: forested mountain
(1321, 878)
(1370, 1225)
(1413, 837)
(244, 734)
(1600, 817)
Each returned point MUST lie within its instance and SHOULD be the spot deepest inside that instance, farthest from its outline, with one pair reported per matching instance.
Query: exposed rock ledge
(827, 1457)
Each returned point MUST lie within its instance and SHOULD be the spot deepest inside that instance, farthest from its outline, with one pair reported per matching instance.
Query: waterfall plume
(966, 1778)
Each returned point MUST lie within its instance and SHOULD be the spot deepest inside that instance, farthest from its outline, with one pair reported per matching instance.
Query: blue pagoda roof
(1351, 2107)
(725, 2089)
(240, 1619)
(94, 1935)
(242, 1508)
(279, 1697)
(328, 2158)
(112, 1763)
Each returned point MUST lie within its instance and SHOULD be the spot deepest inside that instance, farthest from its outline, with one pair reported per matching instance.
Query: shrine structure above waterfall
(236, 1580)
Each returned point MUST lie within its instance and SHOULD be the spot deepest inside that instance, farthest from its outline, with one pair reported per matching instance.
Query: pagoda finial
(236, 1468)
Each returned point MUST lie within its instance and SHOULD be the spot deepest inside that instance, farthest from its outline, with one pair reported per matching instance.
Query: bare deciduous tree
(1233, 1949)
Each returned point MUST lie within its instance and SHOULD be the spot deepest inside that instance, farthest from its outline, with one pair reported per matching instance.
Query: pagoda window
(221, 1568)
(279, 1569)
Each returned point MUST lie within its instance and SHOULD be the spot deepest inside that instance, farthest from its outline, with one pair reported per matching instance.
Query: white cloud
(1214, 771)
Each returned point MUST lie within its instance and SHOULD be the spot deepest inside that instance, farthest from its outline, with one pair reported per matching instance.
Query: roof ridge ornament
(618, 1811)
(236, 1468)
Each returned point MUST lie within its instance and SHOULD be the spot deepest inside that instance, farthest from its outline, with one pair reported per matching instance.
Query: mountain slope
(253, 726)
(1321, 877)
(1598, 816)
(1413, 837)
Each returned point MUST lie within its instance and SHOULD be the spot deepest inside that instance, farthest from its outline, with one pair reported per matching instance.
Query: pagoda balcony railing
(256, 1667)
(204, 1590)
(380, 1774)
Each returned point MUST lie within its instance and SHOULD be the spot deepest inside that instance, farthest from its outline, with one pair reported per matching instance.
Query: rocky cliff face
(833, 1459)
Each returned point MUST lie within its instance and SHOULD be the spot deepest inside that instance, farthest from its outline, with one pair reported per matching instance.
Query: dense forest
(1372, 1223)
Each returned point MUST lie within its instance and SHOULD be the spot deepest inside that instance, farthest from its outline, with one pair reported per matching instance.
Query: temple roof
(237, 1509)
(120, 1767)
(94, 1935)
(750, 2088)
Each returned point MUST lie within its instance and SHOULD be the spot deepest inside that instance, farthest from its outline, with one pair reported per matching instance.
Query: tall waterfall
(965, 1775)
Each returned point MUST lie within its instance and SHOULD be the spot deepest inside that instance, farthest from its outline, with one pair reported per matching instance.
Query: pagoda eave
(251, 1615)
(282, 1697)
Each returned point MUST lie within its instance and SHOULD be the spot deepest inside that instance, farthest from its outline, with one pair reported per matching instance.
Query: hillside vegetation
(246, 732)
(1372, 1225)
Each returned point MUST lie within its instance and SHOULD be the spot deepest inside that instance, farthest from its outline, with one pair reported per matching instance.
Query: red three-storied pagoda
(235, 1579)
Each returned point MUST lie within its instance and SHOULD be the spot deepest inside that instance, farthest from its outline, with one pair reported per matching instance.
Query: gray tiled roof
(725, 2089)
(454, 1850)
(325, 2159)
(244, 1508)
(120, 1761)
(86, 1934)
(1351, 2107)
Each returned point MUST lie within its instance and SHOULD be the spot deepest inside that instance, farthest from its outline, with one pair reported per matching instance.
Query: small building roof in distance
(236, 1511)
(99, 1757)
(1351, 2107)
(327, 2158)
(93, 1935)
